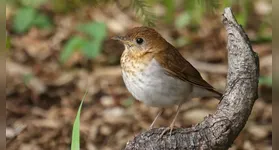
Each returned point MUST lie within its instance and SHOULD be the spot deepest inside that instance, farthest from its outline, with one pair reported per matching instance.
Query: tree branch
(219, 130)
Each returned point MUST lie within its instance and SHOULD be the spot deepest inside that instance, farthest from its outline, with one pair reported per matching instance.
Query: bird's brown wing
(175, 65)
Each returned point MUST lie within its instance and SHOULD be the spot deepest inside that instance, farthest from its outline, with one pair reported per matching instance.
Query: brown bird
(156, 74)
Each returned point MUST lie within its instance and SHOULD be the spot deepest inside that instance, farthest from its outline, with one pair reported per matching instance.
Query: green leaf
(96, 30)
(97, 33)
(23, 19)
(183, 20)
(91, 49)
(42, 21)
(75, 144)
(73, 44)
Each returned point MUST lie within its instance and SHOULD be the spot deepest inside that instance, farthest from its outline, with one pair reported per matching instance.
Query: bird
(155, 72)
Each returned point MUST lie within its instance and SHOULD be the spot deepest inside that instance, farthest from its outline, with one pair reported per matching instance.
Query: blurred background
(58, 49)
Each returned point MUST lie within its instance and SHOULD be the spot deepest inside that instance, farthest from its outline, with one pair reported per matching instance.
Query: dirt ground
(43, 95)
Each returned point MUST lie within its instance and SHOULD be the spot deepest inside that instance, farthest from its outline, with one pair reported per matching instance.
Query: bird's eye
(139, 40)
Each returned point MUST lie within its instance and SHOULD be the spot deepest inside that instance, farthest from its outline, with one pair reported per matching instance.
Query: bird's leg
(158, 115)
(173, 122)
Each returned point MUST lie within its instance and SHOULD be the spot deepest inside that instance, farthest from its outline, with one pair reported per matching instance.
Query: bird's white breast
(153, 87)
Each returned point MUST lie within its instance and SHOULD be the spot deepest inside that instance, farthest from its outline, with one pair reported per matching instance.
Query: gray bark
(219, 130)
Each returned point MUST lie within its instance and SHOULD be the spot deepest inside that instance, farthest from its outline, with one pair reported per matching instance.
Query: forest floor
(43, 95)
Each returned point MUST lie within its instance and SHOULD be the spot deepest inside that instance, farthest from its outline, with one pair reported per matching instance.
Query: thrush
(156, 74)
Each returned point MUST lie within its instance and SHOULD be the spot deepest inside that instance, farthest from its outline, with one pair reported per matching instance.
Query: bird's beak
(119, 38)
(123, 39)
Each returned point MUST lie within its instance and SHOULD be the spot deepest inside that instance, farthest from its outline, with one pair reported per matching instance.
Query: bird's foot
(166, 129)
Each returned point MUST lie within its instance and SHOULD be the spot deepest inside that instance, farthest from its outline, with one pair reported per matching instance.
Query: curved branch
(219, 130)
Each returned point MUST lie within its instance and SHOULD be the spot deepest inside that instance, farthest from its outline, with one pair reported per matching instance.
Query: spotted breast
(152, 86)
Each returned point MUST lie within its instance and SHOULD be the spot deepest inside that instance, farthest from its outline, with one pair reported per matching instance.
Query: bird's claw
(163, 133)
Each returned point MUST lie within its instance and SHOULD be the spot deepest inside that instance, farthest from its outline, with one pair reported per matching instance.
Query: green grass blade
(75, 144)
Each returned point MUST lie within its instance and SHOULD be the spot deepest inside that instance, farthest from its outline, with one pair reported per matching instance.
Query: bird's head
(142, 40)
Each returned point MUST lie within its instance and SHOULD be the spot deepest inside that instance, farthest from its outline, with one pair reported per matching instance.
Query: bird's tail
(202, 92)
